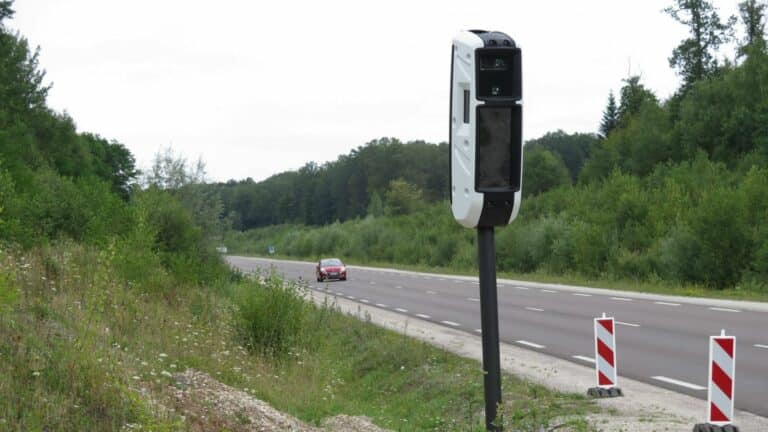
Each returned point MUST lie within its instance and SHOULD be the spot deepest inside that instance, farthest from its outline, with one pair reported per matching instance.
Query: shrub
(270, 315)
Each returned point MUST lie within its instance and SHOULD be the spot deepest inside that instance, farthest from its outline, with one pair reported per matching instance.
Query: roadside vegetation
(670, 196)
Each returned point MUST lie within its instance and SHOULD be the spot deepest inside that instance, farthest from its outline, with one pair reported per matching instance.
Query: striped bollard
(605, 359)
(722, 367)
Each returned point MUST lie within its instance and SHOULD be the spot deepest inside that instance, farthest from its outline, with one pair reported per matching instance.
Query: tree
(694, 58)
(610, 116)
(633, 96)
(402, 198)
(753, 16)
(5, 10)
(543, 171)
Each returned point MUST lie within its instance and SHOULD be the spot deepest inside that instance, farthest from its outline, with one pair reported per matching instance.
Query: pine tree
(694, 58)
(610, 116)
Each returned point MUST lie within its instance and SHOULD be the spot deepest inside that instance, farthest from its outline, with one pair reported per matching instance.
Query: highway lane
(660, 341)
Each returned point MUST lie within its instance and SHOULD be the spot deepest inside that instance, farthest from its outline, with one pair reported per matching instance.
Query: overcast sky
(255, 88)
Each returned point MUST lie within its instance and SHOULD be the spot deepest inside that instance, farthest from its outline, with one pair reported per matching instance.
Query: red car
(331, 268)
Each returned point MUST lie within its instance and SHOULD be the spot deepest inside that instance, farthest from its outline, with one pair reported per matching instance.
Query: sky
(255, 88)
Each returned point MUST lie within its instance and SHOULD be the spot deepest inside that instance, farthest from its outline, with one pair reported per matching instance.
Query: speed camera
(486, 141)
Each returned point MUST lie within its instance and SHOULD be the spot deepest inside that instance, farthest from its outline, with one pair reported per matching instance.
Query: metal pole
(489, 316)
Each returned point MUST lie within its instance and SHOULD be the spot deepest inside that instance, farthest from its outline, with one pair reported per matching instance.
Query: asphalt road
(660, 341)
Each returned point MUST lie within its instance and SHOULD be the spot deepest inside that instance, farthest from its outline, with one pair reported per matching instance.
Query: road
(660, 341)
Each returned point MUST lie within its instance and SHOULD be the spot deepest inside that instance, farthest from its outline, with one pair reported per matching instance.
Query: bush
(270, 315)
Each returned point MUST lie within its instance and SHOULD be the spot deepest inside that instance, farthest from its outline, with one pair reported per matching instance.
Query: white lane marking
(441, 279)
(521, 288)
(678, 383)
(364, 300)
(457, 282)
(478, 331)
(531, 344)
(472, 299)
(423, 316)
(534, 309)
(401, 310)
(582, 295)
(373, 283)
(451, 323)
(381, 305)
(351, 297)
(627, 324)
(427, 278)
(761, 346)
(667, 303)
(476, 283)
(431, 292)
(399, 287)
(584, 358)
(724, 309)
(549, 291)
(621, 298)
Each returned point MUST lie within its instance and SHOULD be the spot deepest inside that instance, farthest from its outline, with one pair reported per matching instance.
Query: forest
(673, 190)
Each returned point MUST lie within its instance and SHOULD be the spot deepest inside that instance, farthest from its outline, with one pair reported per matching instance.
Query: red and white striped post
(722, 366)
(605, 359)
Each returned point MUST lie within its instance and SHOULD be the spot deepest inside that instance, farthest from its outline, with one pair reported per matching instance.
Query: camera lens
(495, 91)
(499, 63)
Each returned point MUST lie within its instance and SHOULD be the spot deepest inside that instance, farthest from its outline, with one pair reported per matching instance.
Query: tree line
(58, 184)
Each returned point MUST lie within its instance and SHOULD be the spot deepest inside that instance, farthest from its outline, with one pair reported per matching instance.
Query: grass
(83, 349)
(745, 292)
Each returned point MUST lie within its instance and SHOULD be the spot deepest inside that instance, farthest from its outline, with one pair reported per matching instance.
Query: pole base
(706, 427)
(599, 392)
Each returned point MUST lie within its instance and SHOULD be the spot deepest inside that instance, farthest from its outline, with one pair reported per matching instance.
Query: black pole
(489, 316)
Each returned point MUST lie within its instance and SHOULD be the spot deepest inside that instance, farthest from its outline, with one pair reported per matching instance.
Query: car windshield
(330, 262)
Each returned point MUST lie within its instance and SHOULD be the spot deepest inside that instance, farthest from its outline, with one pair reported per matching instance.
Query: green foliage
(694, 57)
(753, 17)
(270, 316)
(543, 171)
(610, 119)
(341, 189)
(574, 149)
(402, 198)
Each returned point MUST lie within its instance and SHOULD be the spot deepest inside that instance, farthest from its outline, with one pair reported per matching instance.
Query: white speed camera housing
(486, 141)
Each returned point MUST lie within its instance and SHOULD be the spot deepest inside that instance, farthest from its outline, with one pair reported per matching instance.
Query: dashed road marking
(364, 300)
(627, 324)
(549, 291)
(584, 358)
(401, 310)
(351, 297)
(472, 299)
(431, 292)
(451, 323)
(621, 299)
(534, 309)
(582, 295)
(678, 383)
(761, 346)
(724, 309)
(399, 287)
(478, 331)
(667, 303)
(423, 316)
(531, 344)
(381, 305)
(521, 288)
(457, 282)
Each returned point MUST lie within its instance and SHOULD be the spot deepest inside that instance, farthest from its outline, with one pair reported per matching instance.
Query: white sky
(256, 88)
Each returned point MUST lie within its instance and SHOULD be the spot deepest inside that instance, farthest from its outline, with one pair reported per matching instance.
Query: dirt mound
(208, 404)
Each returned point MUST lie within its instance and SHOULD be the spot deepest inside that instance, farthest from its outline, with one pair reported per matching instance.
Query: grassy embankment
(83, 349)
